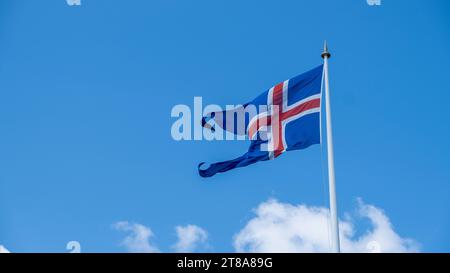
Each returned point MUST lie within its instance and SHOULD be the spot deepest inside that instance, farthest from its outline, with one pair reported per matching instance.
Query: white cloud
(139, 238)
(190, 237)
(282, 227)
(3, 249)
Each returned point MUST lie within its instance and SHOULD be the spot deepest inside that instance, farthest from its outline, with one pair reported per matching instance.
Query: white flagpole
(331, 180)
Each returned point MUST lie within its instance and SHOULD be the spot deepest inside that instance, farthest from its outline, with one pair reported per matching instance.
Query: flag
(284, 118)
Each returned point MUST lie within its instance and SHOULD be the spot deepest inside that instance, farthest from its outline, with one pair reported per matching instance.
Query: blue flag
(284, 118)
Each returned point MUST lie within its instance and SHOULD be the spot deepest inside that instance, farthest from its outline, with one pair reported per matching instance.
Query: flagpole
(331, 179)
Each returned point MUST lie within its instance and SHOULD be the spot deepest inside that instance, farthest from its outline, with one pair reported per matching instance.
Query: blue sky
(86, 93)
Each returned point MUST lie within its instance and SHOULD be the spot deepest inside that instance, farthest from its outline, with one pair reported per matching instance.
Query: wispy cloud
(4, 249)
(138, 239)
(282, 227)
(190, 238)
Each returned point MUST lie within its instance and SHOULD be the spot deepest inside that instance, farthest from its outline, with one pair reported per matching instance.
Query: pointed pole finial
(325, 52)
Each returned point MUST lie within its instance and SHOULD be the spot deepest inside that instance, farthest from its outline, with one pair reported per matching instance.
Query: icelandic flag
(284, 118)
